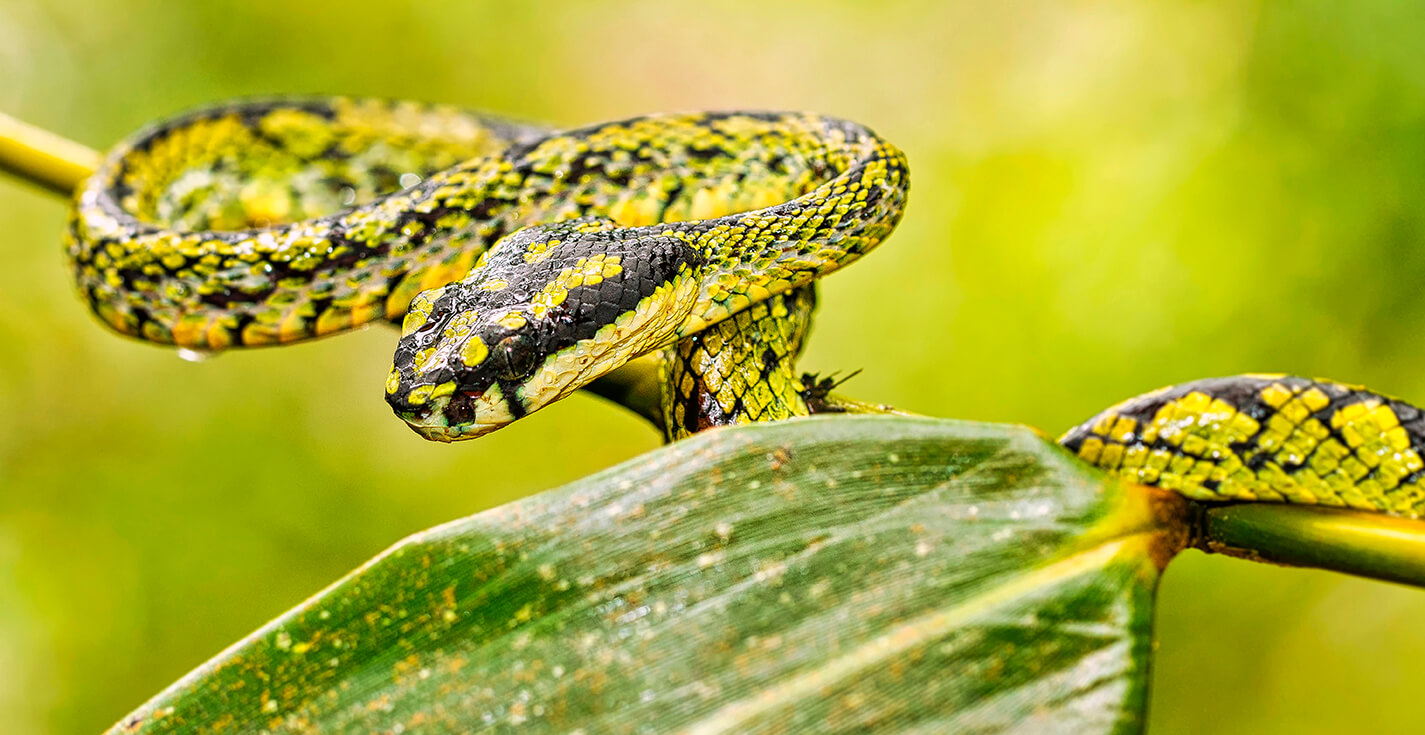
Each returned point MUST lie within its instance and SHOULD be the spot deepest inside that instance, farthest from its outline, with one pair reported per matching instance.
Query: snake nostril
(460, 410)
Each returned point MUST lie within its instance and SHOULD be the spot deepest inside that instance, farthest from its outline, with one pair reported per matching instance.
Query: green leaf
(840, 574)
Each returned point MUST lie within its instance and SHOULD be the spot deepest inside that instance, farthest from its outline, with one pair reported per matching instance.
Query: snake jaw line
(434, 423)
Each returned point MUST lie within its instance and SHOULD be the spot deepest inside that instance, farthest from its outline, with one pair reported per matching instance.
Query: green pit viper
(675, 250)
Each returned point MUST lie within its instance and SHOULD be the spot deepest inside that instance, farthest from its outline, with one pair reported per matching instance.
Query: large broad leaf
(841, 574)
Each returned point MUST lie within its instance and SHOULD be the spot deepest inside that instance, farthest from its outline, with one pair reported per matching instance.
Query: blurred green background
(1108, 197)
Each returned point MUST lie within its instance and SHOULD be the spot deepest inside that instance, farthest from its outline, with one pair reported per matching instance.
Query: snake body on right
(1274, 438)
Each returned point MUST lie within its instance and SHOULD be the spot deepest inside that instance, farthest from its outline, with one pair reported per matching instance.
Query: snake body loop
(269, 222)
(265, 222)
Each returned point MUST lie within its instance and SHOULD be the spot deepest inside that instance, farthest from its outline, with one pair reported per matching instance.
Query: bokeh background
(1108, 197)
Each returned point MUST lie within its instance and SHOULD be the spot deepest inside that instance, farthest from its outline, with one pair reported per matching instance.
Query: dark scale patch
(1412, 419)
(1241, 449)
(519, 153)
(770, 361)
(708, 118)
(709, 413)
(141, 315)
(1257, 410)
(1242, 392)
(777, 163)
(227, 298)
(708, 153)
(612, 297)
(510, 390)
(353, 252)
(1072, 440)
(252, 112)
(1341, 396)
(241, 320)
(335, 151)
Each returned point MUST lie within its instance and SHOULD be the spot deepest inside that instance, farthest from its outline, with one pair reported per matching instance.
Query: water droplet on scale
(408, 180)
(191, 355)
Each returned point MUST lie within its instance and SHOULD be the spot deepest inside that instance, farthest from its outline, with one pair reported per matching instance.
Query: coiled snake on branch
(526, 263)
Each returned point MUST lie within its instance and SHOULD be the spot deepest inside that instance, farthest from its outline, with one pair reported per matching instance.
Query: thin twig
(43, 158)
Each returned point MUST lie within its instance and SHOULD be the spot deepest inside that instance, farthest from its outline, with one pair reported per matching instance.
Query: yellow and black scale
(524, 263)
(1271, 438)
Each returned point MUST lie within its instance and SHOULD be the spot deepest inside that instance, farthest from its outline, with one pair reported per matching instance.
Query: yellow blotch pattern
(1269, 438)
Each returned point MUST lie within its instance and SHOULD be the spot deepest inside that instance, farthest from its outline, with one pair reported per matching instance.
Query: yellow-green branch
(1367, 544)
(43, 158)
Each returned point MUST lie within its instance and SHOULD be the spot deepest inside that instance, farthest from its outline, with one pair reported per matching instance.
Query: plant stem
(43, 158)
(1354, 542)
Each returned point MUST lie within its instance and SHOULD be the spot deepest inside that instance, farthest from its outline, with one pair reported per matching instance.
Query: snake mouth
(433, 424)
(455, 416)
(447, 434)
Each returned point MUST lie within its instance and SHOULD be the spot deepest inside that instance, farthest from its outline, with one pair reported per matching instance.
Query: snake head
(547, 310)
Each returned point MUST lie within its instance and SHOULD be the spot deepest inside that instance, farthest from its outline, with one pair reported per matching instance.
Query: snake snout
(409, 411)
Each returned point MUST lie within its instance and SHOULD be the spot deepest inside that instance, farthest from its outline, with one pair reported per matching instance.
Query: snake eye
(515, 357)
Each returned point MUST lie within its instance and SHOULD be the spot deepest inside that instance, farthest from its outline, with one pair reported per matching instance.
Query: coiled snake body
(527, 263)
(261, 223)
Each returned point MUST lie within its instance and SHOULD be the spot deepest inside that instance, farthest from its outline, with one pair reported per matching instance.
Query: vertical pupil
(518, 355)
